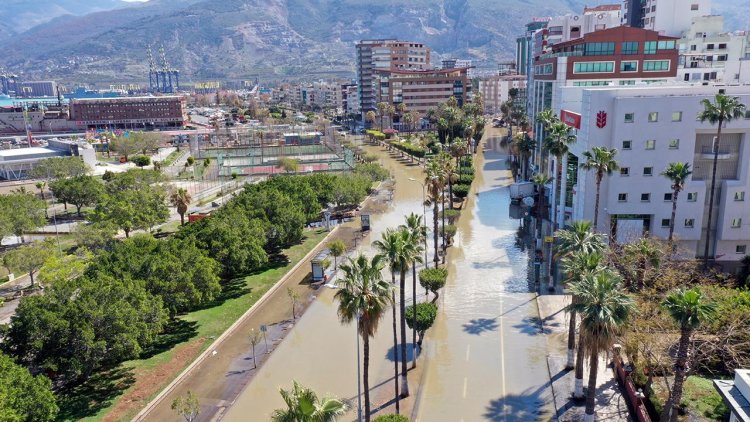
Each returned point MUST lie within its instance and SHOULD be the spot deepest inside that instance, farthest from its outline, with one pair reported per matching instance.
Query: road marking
(466, 381)
(502, 356)
(468, 349)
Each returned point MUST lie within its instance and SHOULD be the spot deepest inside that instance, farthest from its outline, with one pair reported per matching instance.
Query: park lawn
(208, 324)
(171, 157)
(700, 398)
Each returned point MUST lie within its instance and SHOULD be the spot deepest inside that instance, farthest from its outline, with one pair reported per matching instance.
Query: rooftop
(27, 151)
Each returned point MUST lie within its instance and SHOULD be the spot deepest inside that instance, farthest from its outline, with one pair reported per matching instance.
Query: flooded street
(487, 351)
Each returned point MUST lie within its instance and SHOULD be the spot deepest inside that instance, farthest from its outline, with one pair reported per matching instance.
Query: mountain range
(107, 40)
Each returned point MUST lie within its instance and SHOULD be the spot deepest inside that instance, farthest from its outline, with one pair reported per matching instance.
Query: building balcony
(707, 153)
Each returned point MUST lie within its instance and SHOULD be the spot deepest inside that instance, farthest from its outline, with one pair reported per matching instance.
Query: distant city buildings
(497, 89)
(422, 90)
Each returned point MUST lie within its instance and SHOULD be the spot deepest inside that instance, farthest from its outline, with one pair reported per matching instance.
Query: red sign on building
(571, 119)
(601, 119)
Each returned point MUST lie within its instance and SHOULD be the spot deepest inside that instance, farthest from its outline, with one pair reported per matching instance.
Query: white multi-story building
(671, 17)
(707, 53)
(571, 27)
(651, 127)
(495, 90)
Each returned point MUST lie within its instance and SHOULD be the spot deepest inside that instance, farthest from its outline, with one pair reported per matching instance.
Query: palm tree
(580, 240)
(458, 149)
(603, 308)
(382, 109)
(602, 161)
(723, 110)
(541, 180)
(410, 253)
(643, 253)
(525, 146)
(416, 228)
(303, 405)
(435, 181)
(689, 309)
(677, 173)
(364, 297)
(557, 143)
(41, 185)
(390, 111)
(370, 117)
(181, 199)
(388, 249)
(546, 117)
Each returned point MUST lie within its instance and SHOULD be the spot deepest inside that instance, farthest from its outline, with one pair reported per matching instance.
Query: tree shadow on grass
(175, 332)
(96, 393)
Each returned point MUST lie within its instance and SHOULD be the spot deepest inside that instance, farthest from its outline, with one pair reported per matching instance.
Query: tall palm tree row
(414, 224)
(677, 173)
(435, 181)
(689, 309)
(602, 161)
(387, 248)
(558, 143)
(724, 109)
(604, 308)
(364, 297)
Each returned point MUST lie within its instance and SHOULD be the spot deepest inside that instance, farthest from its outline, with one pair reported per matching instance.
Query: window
(689, 223)
(677, 116)
(666, 45)
(722, 46)
(674, 144)
(692, 196)
(656, 65)
(629, 48)
(709, 46)
(694, 6)
(665, 222)
(649, 47)
(668, 197)
(736, 223)
(651, 144)
(627, 144)
(593, 67)
(599, 49)
(622, 197)
(624, 171)
(630, 117)
(747, 114)
(653, 116)
(739, 196)
(721, 58)
(629, 66)
(645, 197)
(693, 47)
(740, 249)
(648, 171)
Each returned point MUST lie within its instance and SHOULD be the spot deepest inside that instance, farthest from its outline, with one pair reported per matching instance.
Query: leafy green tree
(433, 279)
(677, 173)
(303, 405)
(30, 257)
(133, 209)
(94, 236)
(337, 248)
(374, 171)
(282, 215)
(689, 309)
(180, 199)
(176, 270)
(135, 142)
(24, 397)
(59, 168)
(724, 109)
(602, 161)
(80, 191)
(82, 325)
(300, 189)
(364, 296)
(58, 268)
(289, 165)
(21, 213)
(141, 160)
(187, 406)
(422, 320)
(604, 309)
(349, 191)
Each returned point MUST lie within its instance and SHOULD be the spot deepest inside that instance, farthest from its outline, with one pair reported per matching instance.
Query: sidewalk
(610, 404)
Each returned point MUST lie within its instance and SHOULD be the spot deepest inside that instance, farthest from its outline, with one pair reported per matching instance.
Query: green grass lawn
(699, 396)
(94, 401)
(171, 158)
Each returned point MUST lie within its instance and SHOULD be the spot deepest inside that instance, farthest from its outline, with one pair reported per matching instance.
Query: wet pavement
(487, 351)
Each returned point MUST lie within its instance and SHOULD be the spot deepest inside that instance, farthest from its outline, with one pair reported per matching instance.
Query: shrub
(374, 171)
(467, 170)
(452, 215)
(410, 149)
(450, 230)
(391, 418)
(426, 313)
(141, 160)
(465, 179)
(466, 161)
(461, 191)
(433, 279)
(375, 134)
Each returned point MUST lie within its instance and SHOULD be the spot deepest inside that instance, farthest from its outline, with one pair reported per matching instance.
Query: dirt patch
(150, 381)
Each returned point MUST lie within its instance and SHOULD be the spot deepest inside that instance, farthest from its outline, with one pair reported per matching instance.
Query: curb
(168, 389)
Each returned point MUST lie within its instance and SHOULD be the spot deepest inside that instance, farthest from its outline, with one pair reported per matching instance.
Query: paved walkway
(610, 404)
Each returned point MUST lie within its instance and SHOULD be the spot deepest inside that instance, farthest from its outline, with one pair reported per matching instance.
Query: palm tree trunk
(443, 231)
(674, 215)
(571, 340)
(596, 204)
(404, 369)
(395, 345)
(366, 376)
(711, 197)
(182, 219)
(414, 320)
(672, 406)
(590, 416)
(435, 233)
(578, 392)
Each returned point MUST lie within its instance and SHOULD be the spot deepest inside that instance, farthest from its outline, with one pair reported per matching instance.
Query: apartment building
(496, 90)
(668, 17)
(422, 90)
(385, 54)
(709, 54)
(652, 127)
(129, 112)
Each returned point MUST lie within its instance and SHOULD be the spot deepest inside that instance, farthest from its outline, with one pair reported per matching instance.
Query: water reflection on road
(487, 352)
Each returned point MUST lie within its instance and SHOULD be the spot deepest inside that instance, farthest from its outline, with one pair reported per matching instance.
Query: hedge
(450, 230)
(376, 134)
(391, 418)
(410, 149)
(451, 215)
(465, 179)
(461, 190)
(467, 170)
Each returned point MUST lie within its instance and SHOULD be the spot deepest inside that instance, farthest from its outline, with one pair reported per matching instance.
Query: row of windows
(646, 197)
(625, 66)
(650, 144)
(651, 47)
(653, 117)
(593, 67)
(690, 223)
(544, 69)
(656, 65)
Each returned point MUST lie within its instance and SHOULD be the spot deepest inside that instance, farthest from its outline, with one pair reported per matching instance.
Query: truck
(520, 190)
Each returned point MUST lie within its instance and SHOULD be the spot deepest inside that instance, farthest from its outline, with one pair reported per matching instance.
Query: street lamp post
(424, 217)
